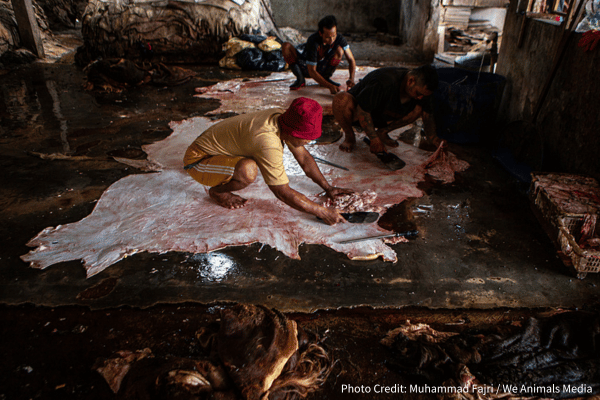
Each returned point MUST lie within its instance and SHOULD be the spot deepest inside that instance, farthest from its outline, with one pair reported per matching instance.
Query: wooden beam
(28, 27)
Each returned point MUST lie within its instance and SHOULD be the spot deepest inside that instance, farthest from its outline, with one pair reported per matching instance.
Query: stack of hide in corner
(175, 31)
(559, 351)
(256, 353)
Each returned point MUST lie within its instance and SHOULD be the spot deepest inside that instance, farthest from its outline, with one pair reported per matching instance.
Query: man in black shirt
(320, 56)
(384, 100)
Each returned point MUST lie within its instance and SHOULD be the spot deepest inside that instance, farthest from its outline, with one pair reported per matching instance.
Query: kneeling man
(228, 155)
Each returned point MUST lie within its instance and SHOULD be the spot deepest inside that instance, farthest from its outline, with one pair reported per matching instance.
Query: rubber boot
(295, 68)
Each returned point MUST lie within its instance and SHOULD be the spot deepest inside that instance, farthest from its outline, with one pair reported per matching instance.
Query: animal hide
(256, 353)
(243, 96)
(169, 211)
(550, 356)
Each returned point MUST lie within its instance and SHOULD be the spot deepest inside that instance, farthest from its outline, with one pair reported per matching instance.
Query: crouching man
(387, 99)
(320, 56)
(228, 155)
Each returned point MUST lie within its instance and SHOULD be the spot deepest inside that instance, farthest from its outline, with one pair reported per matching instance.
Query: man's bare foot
(347, 145)
(227, 199)
(388, 141)
(376, 146)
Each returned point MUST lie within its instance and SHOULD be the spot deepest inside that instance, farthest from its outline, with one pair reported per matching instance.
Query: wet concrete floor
(479, 244)
(480, 248)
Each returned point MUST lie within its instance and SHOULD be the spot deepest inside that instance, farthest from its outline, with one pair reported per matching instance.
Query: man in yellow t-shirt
(228, 155)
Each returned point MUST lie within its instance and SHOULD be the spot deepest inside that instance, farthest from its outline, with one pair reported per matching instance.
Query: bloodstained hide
(169, 211)
(244, 96)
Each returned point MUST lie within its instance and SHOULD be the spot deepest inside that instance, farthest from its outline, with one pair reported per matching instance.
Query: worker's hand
(349, 83)
(331, 216)
(336, 191)
(334, 89)
(435, 140)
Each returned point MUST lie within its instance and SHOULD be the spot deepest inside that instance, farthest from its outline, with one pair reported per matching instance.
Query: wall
(495, 16)
(355, 16)
(419, 22)
(569, 121)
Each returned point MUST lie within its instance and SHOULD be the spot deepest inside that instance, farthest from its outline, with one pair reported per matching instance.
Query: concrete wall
(354, 16)
(569, 120)
(419, 22)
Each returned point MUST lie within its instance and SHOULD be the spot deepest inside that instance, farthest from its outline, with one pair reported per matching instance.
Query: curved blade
(361, 217)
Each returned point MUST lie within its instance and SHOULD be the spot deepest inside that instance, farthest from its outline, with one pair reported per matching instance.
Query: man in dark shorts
(384, 100)
(320, 56)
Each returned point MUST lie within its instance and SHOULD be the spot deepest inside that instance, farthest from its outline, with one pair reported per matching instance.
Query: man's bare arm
(312, 71)
(351, 67)
(311, 169)
(400, 122)
(300, 202)
(430, 129)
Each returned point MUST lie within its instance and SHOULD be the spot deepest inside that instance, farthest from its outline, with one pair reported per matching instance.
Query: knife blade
(397, 234)
(317, 159)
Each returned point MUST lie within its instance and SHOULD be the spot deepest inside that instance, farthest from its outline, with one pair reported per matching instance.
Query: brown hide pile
(115, 75)
(170, 31)
(257, 353)
(552, 355)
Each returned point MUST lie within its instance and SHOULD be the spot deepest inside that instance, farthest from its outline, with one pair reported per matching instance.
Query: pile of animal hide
(570, 194)
(63, 13)
(176, 31)
(550, 356)
(255, 353)
(442, 165)
(114, 75)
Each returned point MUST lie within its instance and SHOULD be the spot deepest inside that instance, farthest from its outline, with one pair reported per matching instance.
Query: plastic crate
(584, 261)
(549, 209)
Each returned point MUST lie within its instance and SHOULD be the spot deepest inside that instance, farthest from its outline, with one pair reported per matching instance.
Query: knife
(317, 159)
(359, 217)
(397, 234)
(390, 160)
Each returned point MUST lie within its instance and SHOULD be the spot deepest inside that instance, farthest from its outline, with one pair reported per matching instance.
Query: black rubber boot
(295, 68)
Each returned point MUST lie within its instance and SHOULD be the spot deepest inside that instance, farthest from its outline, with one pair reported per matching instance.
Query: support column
(28, 28)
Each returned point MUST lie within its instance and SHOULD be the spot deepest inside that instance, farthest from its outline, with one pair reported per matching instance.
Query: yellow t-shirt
(254, 135)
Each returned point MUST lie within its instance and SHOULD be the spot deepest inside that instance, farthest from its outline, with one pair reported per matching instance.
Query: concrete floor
(480, 249)
(479, 245)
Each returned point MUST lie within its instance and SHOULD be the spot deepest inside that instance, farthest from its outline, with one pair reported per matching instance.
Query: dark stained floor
(480, 250)
(479, 244)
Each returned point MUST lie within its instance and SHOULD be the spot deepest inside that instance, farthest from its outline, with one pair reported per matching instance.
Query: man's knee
(290, 55)
(246, 171)
(343, 106)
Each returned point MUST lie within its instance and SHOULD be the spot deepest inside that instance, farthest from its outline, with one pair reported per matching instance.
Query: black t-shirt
(378, 93)
(316, 51)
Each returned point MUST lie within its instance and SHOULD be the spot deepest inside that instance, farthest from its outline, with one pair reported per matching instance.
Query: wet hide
(255, 353)
(175, 31)
(557, 351)
(114, 75)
